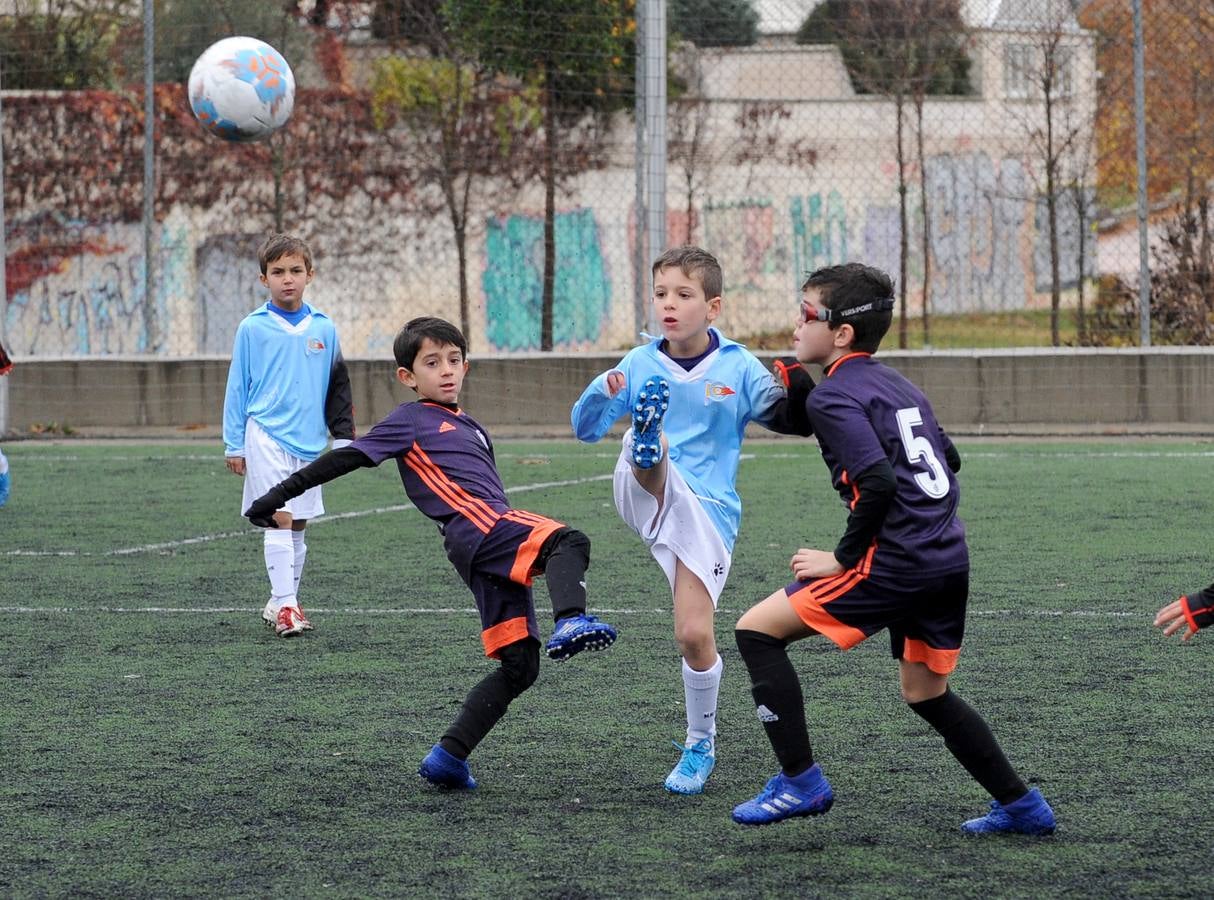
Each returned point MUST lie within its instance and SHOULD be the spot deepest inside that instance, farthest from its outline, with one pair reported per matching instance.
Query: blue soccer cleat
(574, 634)
(1028, 815)
(442, 769)
(647, 413)
(693, 768)
(808, 794)
(5, 483)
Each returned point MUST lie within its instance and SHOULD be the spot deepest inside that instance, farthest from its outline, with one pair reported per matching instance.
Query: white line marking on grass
(320, 520)
(1035, 454)
(470, 611)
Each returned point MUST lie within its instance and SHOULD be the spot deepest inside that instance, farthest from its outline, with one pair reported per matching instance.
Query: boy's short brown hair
(276, 246)
(694, 261)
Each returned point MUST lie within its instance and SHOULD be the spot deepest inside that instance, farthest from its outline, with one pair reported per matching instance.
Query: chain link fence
(514, 165)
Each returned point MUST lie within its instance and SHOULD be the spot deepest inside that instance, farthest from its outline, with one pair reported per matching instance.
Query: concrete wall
(1163, 390)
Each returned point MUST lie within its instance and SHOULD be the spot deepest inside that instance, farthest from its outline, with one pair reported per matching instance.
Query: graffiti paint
(1067, 217)
(819, 231)
(513, 281)
(228, 288)
(979, 219)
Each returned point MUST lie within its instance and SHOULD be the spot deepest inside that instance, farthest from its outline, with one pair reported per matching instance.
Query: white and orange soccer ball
(241, 89)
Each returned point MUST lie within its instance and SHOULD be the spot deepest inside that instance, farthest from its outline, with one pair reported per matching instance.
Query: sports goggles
(815, 314)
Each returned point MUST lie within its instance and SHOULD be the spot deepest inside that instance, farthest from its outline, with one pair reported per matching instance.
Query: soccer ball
(241, 89)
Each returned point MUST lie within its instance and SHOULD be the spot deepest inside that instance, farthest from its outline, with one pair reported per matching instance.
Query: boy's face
(287, 278)
(438, 372)
(815, 341)
(683, 312)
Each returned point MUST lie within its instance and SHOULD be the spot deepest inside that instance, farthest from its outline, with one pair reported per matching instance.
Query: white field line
(320, 520)
(218, 460)
(809, 449)
(470, 611)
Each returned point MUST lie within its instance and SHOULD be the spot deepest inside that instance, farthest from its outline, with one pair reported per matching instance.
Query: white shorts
(266, 464)
(682, 531)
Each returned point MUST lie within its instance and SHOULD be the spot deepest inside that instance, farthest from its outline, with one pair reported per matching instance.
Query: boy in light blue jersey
(288, 390)
(691, 394)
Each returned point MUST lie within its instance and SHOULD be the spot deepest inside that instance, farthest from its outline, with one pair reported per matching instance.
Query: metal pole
(149, 179)
(655, 127)
(640, 265)
(1140, 122)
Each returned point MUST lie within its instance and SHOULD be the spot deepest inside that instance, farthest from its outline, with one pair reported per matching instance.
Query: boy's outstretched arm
(325, 468)
(603, 401)
(788, 415)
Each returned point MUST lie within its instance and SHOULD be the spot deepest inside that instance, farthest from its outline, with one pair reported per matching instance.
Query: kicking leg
(564, 559)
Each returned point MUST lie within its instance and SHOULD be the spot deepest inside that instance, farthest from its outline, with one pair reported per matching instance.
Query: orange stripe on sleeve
(939, 661)
(503, 634)
(1188, 614)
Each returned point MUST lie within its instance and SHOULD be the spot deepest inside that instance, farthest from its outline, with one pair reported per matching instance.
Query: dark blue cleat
(808, 794)
(1028, 815)
(442, 769)
(574, 634)
(647, 413)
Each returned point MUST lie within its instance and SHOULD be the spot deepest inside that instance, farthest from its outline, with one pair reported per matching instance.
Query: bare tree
(904, 50)
(453, 124)
(1053, 117)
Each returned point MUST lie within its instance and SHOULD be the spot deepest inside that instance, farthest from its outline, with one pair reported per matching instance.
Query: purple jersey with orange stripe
(864, 412)
(446, 462)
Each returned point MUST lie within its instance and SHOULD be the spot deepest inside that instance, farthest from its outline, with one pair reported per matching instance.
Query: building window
(1063, 81)
(1017, 69)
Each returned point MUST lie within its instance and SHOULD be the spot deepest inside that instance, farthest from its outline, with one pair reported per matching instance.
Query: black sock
(564, 559)
(969, 739)
(487, 702)
(777, 691)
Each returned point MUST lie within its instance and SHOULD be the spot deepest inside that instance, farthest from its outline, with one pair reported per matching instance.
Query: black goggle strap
(809, 313)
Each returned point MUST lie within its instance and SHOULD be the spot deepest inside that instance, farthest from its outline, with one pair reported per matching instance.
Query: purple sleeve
(391, 437)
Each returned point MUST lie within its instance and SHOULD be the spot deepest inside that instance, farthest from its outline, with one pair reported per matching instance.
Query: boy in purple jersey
(446, 463)
(902, 562)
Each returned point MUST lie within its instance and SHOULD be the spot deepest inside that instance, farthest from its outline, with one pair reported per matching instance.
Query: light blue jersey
(709, 409)
(280, 378)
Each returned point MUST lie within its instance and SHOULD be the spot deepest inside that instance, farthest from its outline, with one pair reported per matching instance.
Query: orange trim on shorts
(939, 661)
(503, 634)
(810, 601)
(524, 559)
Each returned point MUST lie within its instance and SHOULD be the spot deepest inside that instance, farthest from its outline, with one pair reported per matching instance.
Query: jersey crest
(315, 345)
(714, 390)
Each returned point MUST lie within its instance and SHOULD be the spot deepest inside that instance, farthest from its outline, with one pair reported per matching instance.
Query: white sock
(3, 463)
(280, 566)
(700, 690)
(301, 555)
